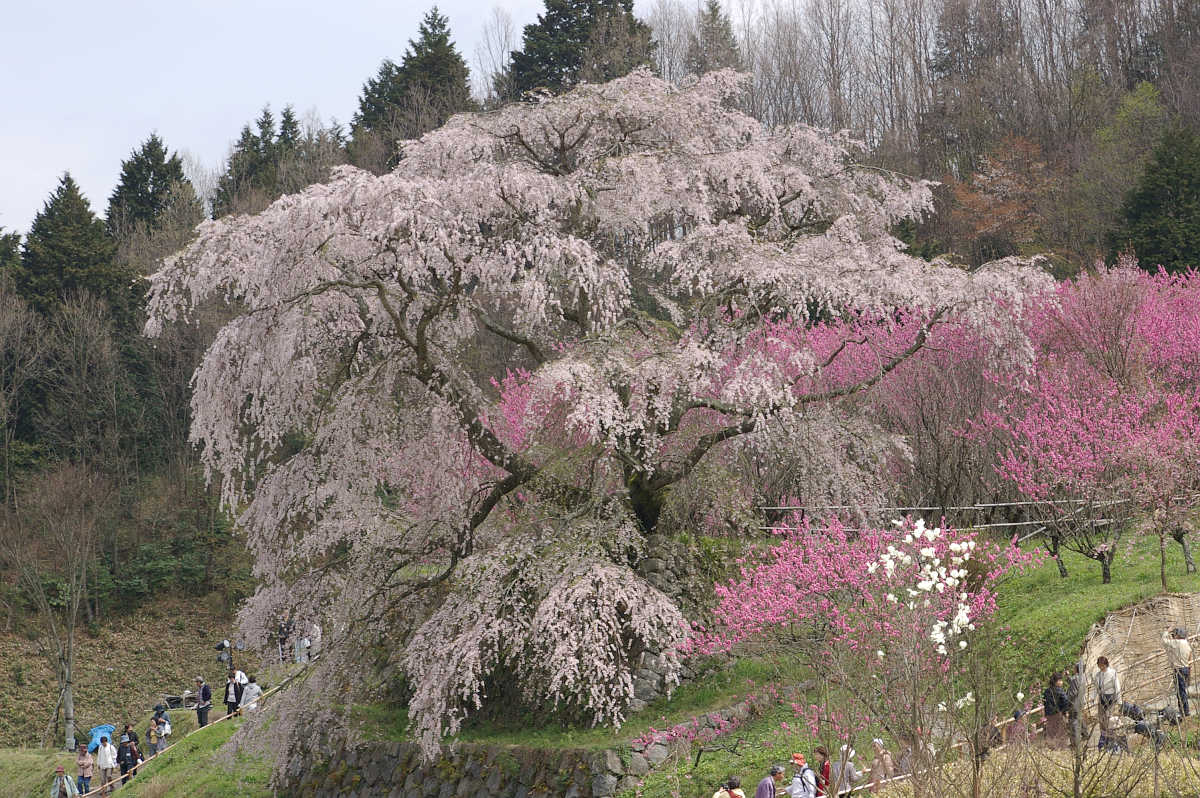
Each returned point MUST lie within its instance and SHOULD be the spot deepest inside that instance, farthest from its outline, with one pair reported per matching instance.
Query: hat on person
(124, 738)
(878, 741)
(847, 751)
(60, 769)
(1180, 632)
(199, 680)
(798, 760)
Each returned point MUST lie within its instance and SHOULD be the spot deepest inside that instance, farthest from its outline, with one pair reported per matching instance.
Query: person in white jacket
(1108, 687)
(804, 780)
(1179, 656)
(106, 761)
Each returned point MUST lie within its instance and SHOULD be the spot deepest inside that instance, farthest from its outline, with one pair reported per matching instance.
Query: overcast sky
(82, 84)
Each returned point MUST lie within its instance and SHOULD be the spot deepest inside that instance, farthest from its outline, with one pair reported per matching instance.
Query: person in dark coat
(126, 758)
(203, 701)
(233, 693)
(1056, 705)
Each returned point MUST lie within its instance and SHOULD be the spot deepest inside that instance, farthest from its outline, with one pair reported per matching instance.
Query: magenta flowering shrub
(885, 618)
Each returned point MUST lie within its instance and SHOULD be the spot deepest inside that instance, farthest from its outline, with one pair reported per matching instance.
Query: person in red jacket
(823, 768)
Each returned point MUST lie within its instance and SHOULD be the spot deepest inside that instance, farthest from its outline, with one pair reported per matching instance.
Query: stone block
(604, 785)
(638, 765)
(656, 754)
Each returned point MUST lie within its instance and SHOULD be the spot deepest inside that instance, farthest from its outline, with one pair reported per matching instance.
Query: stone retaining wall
(396, 770)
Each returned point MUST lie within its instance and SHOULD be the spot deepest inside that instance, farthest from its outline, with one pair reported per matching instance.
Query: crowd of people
(1061, 701)
(112, 764)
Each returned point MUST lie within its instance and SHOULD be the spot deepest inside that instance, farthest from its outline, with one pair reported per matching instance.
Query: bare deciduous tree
(49, 544)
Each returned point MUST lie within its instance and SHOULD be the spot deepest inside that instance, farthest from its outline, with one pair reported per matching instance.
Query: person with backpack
(732, 788)
(804, 779)
(153, 737)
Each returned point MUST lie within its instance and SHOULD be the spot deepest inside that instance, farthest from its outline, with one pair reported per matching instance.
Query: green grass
(715, 690)
(29, 771)
(1049, 617)
(196, 768)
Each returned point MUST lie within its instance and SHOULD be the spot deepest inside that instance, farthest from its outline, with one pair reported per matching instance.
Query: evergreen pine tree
(712, 44)
(147, 180)
(68, 249)
(567, 43)
(241, 172)
(1160, 220)
(289, 131)
(431, 83)
(10, 252)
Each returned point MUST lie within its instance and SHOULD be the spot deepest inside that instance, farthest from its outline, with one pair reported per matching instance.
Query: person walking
(164, 727)
(131, 734)
(153, 738)
(203, 701)
(62, 786)
(233, 694)
(106, 760)
(125, 758)
(1108, 687)
(804, 780)
(882, 767)
(250, 695)
(1179, 655)
(824, 770)
(1055, 706)
(84, 766)
(846, 772)
(732, 788)
(767, 787)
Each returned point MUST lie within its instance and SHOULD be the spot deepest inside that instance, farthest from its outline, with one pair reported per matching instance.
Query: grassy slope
(1050, 617)
(197, 768)
(120, 672)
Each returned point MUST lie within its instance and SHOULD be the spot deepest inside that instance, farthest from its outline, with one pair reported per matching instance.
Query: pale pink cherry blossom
(455, 399)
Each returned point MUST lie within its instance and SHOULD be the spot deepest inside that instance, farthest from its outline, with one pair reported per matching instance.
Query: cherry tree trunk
(1105, 569)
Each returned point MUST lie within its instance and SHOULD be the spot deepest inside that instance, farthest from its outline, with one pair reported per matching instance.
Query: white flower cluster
(932, 575)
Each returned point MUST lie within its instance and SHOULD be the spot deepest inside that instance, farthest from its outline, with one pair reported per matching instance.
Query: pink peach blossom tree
(1104, 429)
